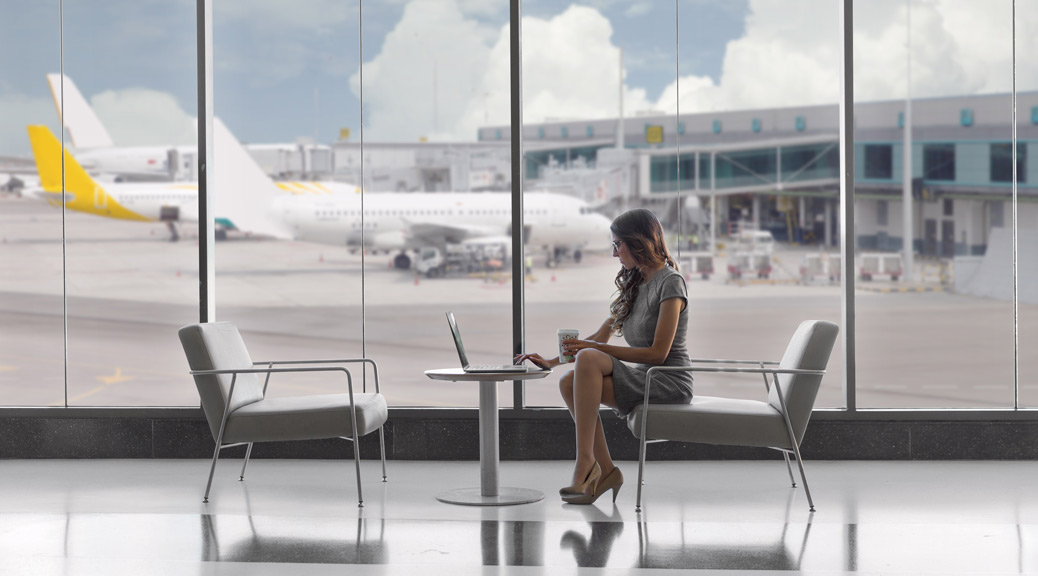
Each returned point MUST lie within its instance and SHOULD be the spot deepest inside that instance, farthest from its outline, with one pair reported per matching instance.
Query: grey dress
(639, 330)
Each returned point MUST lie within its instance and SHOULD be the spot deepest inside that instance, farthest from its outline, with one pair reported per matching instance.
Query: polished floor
(146, 517)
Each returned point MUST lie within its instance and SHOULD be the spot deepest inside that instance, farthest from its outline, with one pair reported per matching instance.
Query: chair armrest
(717, 361)
(732, 369)
(269, 370)
(374, 366)
(765, 371)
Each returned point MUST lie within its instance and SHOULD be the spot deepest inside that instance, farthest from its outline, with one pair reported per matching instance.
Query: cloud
(142, 117)
(428, 71)
(788, 55)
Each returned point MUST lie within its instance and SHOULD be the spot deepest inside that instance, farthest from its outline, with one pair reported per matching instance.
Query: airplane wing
(436, 233)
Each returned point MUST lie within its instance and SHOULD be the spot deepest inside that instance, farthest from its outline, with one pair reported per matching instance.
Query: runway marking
(7, 368)
(107, 381)
(115, 378)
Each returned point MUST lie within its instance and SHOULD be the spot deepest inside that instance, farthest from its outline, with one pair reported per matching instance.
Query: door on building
(948, 238)
(930, 237)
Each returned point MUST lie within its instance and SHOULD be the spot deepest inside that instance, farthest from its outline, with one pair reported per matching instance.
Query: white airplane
(247, 200)
(96, 151)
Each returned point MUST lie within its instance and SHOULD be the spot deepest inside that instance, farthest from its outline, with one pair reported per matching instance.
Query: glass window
(32, 338)
(939, 162)
(131, 254)
(1002, 162)
(913, 318)
(881, 212)
(879, 161)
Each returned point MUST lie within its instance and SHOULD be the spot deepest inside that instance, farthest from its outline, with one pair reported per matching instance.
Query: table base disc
(505, 497)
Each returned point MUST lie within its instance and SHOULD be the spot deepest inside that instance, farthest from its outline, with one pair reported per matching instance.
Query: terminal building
(778, 169)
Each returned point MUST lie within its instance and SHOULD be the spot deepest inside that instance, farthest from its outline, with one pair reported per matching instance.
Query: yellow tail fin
(82, 193)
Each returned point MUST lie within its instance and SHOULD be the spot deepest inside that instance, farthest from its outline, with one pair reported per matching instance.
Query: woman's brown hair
(642, 233)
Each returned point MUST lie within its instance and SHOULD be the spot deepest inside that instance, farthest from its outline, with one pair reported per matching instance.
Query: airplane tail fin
(84, 127)
(82, 193)
(244, 194)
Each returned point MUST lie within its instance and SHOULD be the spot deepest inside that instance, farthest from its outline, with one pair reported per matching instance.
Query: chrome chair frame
(270, 369)
(764, 371)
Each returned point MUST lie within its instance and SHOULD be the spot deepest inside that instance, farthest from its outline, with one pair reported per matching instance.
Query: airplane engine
(169, 214)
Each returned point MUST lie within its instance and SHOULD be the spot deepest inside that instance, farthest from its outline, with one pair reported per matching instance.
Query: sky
(438, 69)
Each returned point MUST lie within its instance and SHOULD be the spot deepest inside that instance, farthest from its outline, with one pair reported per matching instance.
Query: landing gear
(577, 255)
(402, 261)
(173, 234)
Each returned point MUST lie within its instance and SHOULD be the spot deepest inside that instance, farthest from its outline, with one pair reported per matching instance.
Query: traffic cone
(320, 258)
(415, 278)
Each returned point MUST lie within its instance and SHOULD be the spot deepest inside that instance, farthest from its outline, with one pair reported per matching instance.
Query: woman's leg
(601, 448)
(592, 387)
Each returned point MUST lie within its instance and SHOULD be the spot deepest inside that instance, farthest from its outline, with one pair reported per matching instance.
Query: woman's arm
(666, 329)
(604, 332)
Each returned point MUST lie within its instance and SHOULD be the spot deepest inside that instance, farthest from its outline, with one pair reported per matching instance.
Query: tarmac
(129, 288)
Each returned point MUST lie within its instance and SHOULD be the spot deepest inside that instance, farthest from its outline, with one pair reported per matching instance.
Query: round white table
(488, 493)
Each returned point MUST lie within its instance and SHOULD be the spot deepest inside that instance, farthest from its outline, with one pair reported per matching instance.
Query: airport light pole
(906, 165)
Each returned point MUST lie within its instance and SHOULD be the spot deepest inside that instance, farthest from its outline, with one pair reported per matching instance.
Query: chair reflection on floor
(306, 540)
(748, 547)
(594, 551)
(282, 542)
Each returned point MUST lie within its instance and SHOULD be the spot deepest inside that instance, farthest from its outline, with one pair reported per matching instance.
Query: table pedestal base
(505, 496)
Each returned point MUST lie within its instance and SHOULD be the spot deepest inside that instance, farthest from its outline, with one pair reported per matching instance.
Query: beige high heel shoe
(612, 481)
(586, 490)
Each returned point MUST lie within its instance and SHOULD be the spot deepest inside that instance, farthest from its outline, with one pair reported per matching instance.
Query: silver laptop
(465, 360)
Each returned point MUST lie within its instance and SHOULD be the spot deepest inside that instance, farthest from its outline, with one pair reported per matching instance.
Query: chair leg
(248, 452)
(641, 471)
(789, 468)
(807, 489)
(382, 445)
(212, 468)
(356, 461)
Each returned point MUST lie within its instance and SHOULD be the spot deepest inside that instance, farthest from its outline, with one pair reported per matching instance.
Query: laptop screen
(457, 339)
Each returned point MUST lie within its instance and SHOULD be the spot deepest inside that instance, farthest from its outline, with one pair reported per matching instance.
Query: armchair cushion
(713, 420)
(304, 417)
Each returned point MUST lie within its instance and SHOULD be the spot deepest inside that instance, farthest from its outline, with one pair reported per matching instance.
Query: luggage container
(879, 265)
(749, 263)
(820, 266)
(699, 264)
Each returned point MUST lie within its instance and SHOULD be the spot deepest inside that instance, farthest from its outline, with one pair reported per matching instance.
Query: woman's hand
(571, 347)
(539, 361)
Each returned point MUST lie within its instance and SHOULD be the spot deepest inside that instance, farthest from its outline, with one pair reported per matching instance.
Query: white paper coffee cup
(563, 336)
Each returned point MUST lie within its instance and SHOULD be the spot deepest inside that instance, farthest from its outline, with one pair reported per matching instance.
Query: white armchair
(778, 423)
(238, 410)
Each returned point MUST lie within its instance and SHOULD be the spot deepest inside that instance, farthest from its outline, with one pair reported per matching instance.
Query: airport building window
(813, 162)
(879, 161)
(746, 168)
(939, 162)
(1002, 162)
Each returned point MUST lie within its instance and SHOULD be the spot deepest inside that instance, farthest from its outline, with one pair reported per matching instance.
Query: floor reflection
(248, 539)
(593, 551)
